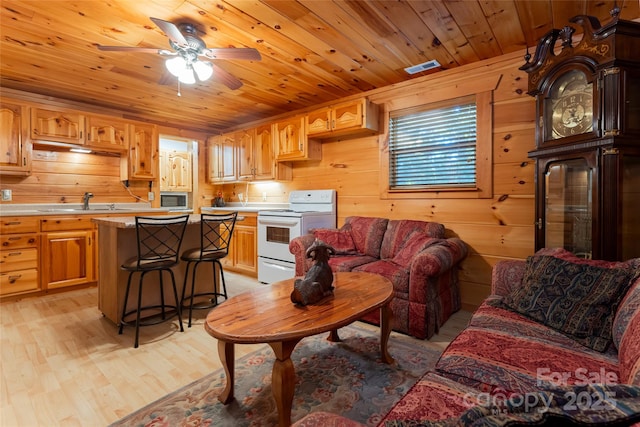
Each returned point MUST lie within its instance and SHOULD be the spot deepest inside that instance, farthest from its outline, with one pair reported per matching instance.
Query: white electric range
(307, 210)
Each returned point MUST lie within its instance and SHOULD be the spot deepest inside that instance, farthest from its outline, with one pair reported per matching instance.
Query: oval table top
(266, 314)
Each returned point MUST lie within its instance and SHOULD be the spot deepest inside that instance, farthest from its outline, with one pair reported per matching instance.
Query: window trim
(484, 152)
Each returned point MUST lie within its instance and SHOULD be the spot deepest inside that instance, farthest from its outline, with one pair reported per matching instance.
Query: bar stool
(158, 242)
(215, 235)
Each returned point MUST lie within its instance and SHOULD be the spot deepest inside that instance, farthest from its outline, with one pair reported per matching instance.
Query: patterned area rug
(346, 377)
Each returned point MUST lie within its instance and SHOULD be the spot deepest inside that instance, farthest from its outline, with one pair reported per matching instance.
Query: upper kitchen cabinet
(359, 117)
(48, 124)
(292, 143)
(107, 132)
(256, 156)
(221, 160)
(15, 150)
(175, 171)
(141, 163)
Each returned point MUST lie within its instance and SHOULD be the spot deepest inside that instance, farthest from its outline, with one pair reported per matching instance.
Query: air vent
(422, 67)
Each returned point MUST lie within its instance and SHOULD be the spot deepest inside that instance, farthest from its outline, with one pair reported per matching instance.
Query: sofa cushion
(349, 262)
(629, 307)
(367, 233)
(577, 299)
(398, 275)
(629, 347)
(503, 349)
(340, 240)
(416, 243)
(399, 231)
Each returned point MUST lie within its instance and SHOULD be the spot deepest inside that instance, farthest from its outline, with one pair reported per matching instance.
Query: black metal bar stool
(159, 240)
(215, 236)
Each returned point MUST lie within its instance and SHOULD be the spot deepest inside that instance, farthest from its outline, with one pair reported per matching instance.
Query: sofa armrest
(506, 276)
(298, 247)
(439, 258)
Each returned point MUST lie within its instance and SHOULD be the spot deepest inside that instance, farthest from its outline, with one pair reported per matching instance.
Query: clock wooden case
(588, 137)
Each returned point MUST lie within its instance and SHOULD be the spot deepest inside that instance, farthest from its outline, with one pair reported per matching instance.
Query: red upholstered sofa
(414, 255)
(503, 355)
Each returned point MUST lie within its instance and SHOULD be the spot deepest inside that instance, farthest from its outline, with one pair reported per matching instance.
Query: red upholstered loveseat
(502, 354)
(413, 255)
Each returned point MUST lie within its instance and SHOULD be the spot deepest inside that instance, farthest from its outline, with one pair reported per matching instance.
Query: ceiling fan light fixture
(203, 69)
(187, 77)
(176, 65)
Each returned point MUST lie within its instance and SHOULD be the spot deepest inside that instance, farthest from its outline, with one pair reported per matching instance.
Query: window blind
(433, 148)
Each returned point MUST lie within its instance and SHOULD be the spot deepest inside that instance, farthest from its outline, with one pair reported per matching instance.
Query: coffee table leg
(333, 336)
(283, 378)
(226, 352)
(385, 331)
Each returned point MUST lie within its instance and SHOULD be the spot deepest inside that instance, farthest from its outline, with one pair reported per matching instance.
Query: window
(435, 147)
(442, 146)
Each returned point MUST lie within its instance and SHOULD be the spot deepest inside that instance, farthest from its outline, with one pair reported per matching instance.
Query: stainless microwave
(174, 200)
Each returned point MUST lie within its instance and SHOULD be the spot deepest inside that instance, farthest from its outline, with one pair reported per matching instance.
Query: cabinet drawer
(14, 225)
(18, 281)
(61, 224)
(19, 259)
(13, 241)
(247, 220)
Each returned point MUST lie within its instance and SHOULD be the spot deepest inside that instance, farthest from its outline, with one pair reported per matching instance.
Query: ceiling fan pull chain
(179, 94)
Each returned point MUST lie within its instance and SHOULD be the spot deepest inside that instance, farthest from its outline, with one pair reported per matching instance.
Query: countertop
(38, 209)
(130, 221)
(249, 207)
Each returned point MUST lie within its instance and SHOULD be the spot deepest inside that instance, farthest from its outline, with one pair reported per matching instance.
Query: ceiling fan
(187, 48)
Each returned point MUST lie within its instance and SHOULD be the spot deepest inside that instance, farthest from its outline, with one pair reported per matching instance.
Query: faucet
(85, 201)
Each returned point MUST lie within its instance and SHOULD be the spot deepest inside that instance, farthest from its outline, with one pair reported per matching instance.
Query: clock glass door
(568, 206)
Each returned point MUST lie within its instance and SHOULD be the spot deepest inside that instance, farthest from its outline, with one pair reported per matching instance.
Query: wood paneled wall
(497, 228)
(494, 229)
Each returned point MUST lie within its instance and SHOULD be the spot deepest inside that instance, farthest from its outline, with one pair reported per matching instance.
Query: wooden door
(228, 158)
(15, 155)
(245, 141)
(107, 132)
(319, 122)
(347, 116)
(245, 251)
(290, 137)
(143, 152)
(263, 153)
(68, 258)
(57, 125)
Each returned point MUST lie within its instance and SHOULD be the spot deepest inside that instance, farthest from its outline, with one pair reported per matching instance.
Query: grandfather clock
(588, 138)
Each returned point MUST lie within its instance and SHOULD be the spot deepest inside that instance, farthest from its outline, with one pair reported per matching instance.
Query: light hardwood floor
(64, 364)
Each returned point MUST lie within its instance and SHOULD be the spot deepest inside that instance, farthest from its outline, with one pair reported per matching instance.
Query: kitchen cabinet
(175, 171)
(107, 133)
(358, 117)
(256, 156)
(50, 124)
(292, 143)
(19, 239)
(243, 250)
(141, 163)
(221, 159)
(68, 252)
(15, 146)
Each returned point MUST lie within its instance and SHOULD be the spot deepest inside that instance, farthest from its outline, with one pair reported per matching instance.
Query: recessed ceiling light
(422, 67)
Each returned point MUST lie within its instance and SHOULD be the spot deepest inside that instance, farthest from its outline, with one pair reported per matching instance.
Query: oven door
(274, 235)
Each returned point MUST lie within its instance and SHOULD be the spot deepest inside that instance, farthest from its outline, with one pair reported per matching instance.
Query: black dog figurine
(317, 283)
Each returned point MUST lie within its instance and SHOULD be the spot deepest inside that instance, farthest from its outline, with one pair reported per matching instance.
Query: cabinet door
(347, 116)
(15, 153)
(290, 139)
(68, 258)
(245, 151)
(319, 122)
(179, 170)
(264, 154)
(246, 253)
(214, 153)
(106, 132)
(143, 152)
(228, 158)
(55, 125)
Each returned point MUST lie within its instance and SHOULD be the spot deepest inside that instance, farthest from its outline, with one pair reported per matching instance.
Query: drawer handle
(12, 279)
(14, 254)
(14, 238)
(13, 223)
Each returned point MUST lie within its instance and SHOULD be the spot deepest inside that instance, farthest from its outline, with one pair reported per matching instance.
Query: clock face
(570, 106)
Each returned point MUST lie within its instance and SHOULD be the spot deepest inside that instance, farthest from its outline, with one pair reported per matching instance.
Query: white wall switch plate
(152, 196)
(6, 195)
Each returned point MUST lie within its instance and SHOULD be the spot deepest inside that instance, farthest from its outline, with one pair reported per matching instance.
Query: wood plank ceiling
(313, 51)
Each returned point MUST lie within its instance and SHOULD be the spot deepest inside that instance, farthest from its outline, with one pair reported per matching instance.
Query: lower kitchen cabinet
(243, 251)
(19, 255)
(68, 252)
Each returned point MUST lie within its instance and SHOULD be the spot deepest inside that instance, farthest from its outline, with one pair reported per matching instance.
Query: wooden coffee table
(267, 315)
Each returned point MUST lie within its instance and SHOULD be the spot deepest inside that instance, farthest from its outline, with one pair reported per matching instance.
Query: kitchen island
(117, 243)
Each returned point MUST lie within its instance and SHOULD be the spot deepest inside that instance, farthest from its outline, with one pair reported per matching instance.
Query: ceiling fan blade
(226, 78)
(135, 49)
(171, 31)
(232, 53)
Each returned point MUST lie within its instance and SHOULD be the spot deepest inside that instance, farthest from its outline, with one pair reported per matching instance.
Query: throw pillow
(577, 300)
(416, 243)
(340, 240)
